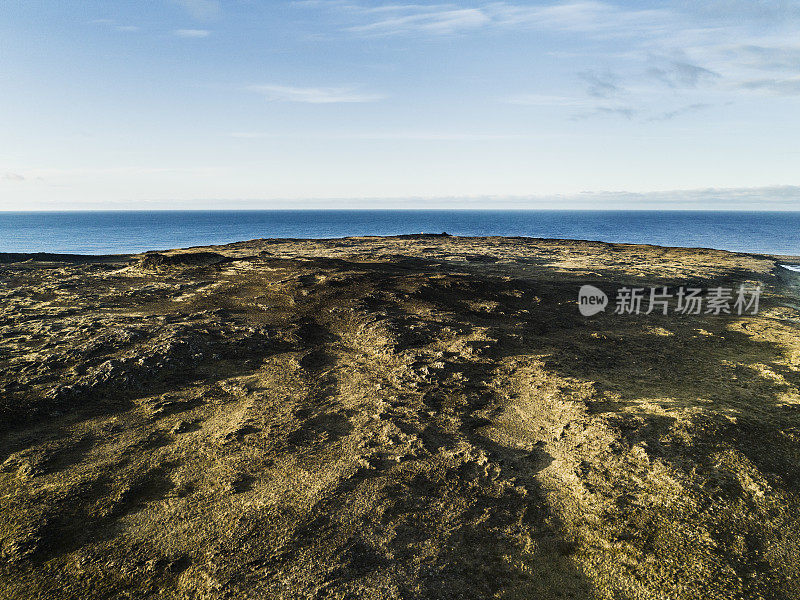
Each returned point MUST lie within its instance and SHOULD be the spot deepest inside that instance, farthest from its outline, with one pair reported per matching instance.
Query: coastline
(138, 231)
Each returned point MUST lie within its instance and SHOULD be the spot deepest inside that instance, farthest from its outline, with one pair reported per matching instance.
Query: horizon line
(440, 209)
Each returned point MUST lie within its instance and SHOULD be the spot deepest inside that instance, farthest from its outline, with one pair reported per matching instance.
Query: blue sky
(340, 103)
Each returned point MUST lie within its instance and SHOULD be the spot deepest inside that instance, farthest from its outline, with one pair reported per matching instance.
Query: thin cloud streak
(683, 74)
(583, 17)
(544, 100)
(388, 136)
(16, 177)
(588, 16)
(312, 95)
(111, 24)
(601, 85)
(672, 114)
(192, 33)
(768, 58)
(441, 22)
(780, 87)
(202, 10)
(625, 112)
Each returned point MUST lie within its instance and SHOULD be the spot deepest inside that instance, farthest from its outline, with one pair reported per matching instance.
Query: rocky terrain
(417, 417)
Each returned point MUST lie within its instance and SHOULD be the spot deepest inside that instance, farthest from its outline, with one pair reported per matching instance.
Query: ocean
(129, 232)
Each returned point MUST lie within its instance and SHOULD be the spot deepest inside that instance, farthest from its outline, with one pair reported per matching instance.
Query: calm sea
(126, 232)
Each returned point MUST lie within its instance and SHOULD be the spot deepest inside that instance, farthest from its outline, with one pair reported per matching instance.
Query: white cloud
(626, 112)
(683, 110)
(683, 74)
(765, 198)
(440, 22)
(591, 111)
(681, 44)
(544, 100)
(12, 177)
(762, 11)
(768, 58)
(693, 55)
(429, 136)
(308, 95)
(110, 23)
(588, 16)
(782, 87)
(601, 85)
(192, 33)
(201, 9)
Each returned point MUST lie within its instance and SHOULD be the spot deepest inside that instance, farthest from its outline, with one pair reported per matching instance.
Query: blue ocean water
(126, 232)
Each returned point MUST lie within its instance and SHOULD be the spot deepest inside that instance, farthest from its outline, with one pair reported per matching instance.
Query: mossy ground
(412, 417)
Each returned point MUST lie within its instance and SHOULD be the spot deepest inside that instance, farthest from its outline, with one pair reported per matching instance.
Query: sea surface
(128, 232)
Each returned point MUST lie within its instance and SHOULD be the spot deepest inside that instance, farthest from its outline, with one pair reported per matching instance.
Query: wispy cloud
(203, 10)
(705, 53)
(601, 85)
(436, 21)
(544, 100)
(642, 114)
(760, 11)
(767, 58)
(192, 33)
(314, 95)
(765, 198)
(112, 24)
(625, 112)
(782, 87)
(588, 16)
(12, 177)
(430, 136)
(683, 110)
(683, 74)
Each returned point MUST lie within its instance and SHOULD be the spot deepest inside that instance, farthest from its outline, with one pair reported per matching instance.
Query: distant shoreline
(130, 232)
(386, 210)
(120, 258)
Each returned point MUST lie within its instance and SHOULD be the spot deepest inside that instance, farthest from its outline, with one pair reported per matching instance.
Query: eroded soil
(413, 417)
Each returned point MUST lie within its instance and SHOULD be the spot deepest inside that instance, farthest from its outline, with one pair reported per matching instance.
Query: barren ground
(420, 417)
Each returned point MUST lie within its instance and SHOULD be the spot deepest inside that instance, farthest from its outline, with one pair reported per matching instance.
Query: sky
(123, 104)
